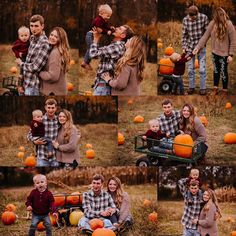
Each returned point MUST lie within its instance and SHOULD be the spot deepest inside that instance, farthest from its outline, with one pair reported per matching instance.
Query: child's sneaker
(87, 231)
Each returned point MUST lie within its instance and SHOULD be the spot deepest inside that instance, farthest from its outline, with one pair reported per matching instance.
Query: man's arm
(184, 35)
(35, 142)
(182, 183)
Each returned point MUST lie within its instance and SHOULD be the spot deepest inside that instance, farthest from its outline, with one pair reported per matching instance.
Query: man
(169, 120)
(109, 55)
(194, 26)
(192, 200)
(37, 56)
(51, 130)
(97, 204)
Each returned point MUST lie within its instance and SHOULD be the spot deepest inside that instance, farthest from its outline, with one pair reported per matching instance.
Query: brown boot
(215, 91)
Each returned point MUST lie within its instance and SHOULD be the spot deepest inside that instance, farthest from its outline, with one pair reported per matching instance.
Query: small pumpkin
(121, 139)
(230, 138)
(183, 145)
(75, 216)
(153, 216)
(130, 102)
(228, 105)
(96, 223)
(8, 217)
(138, 119)
(159, 40)
(20, 155)
(21, 149)
(59, 200)
(73, 199)
(169, 51)
(196, 64)
(72, 62)
(159, 44)
(204, 120)
(233, 233)
(90, 153)
(166, 66)
(10, 207)
(103, 232)
(30, 161)
(88, 145)
(13, 70)
(70, 86)
(40, 226)
(147, 203)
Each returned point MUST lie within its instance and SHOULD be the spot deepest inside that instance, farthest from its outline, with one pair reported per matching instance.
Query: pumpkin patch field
(220, 121)
(104, 148)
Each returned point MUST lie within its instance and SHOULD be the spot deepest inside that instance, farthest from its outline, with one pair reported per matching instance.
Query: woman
(129, 69)
(122, 202)
(207, 220)
(223, 43)
(53, 80)
(66, 144)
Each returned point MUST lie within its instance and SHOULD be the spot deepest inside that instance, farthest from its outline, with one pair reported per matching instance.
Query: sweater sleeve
(54, 67)
(122, 79)
(51, 199)
(210, 218)
(29, 199)
(124, 208)
(232, 38)
(200, 130)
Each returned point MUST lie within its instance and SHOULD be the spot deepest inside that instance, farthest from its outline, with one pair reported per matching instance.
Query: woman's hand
(106, 76)
(229, 59)
(29, 208)
(195, 51)
(55, 144)
(195, 221)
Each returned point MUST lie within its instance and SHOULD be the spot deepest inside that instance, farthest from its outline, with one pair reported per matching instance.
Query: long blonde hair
(133, 56)
(68, 125)
(187, 124)
(212, 199)
(118, 195)
(220, 18)
(63, 47)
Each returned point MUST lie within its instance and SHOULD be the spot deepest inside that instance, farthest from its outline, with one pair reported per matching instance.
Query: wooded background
(84, 109)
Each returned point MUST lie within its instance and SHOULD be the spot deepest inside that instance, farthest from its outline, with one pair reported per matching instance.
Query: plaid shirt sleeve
(182, 183)
(184, 33)
(30, 136)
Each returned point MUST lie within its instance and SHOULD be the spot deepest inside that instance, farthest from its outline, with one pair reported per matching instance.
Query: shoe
(87, 231)
(215, 91)
(202, 91)
(224, 93)
(191, 90)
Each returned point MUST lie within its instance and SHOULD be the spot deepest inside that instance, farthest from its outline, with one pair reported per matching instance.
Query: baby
(38, 130)
(194, 175)
(40, 202)
(101, 23)
(179, 69)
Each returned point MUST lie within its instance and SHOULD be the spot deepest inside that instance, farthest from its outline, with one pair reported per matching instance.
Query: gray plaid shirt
(36, 59)
(93, 205)
(192, 31)
(192, 205)
(51, 131)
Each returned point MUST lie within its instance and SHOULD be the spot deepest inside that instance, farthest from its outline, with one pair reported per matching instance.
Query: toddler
(20, 48)
(179, 68)
(38, 130)
(40, 202)
(101, 23)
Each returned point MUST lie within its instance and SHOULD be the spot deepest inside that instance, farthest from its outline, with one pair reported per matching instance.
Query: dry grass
(7, 60)
(220, 122)
(103, 137)
(137, 193)
(148, 85)
(170, 214)
(170, 33)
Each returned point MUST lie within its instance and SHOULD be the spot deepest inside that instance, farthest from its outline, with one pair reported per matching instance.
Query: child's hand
(113, 28)
(55, 215)
(29, 208)
(144, 137)
(109, 32)
(18, 61)
(20, 54)
(106, 76)
(35, 125)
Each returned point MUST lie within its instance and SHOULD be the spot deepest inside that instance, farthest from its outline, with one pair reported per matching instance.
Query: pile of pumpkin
(89, 153)
(152, 217)
(29, 160)
(9, 215)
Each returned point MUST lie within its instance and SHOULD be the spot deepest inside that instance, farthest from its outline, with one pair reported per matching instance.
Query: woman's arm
(200, 130)
(232, 39)
(210, 217)
(54, 67)
(124, 208)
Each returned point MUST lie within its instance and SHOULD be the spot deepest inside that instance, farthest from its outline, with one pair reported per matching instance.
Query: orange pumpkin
(103, 232)
(70, 86)
(147, 203)
(228, 105)
(10, 207)
(21, 149)
(80, 195)
(130, 102)
(40, 226)
(53, 219)
(138, 119)
(8, 217)
(88, 145)
(72, 62)
(230, 138)
(196, 64)
(30, 161)
(20, 154)
(233, 233)
(166, 66)
(73, 199)
(90, 153)
(59, 200)
(169, 51)
(153, 216)
(183, 145)
(88, 93)
(159, 44)
(96, 223)
(13, 70)
(159, 40)
(204, 120)
(121, 139)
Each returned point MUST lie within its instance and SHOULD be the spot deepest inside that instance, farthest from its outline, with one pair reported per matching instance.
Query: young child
(179, 68)
(38, 130)
(20, 48)
(40, 202)
(101, 23)
(194, 174)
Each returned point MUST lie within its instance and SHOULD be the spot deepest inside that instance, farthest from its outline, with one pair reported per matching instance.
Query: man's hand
(111, 210)
(96, 35)
(39, 142)
(105, 213)
(29, 208)
(18, 61)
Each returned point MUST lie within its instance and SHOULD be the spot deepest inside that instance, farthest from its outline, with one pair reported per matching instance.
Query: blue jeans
(36, 219)
(47, 163)
(89, 41)
(101, 88)
(179, 84)
(31, 91)
(84, 223)
(202, 70)
(191, 232)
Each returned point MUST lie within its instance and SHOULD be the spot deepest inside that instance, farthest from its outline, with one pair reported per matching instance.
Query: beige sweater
(126, 83)
(68, 152)
(222, 48)
(52, 78)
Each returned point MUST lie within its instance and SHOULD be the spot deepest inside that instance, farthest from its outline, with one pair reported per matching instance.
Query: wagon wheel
(165, 86)
(143, 161)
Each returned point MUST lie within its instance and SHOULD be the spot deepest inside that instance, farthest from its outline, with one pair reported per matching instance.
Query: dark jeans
(36, 219)
(179, 84)
(220, 69)
(164, 145)
(113, 218)
(89, 41)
